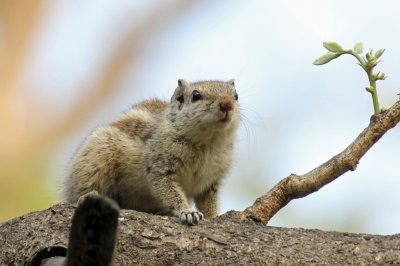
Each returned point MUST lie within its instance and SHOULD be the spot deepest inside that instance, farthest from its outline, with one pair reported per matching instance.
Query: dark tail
(92, 239)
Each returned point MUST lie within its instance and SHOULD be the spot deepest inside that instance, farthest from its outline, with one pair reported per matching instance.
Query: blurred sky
(297, 115)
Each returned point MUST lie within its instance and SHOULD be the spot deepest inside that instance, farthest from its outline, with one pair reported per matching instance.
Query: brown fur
(154, 105)
(133, 128)
(137, 127)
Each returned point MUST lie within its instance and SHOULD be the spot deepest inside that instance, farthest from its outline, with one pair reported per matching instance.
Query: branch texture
(298, 186)
(146, 239)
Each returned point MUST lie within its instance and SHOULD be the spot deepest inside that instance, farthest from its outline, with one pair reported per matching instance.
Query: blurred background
(67, 67)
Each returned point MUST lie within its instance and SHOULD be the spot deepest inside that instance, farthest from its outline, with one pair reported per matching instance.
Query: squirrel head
(206, 106)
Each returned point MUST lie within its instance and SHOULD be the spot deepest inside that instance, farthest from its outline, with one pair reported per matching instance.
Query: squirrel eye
(196, 96)
(236, 96)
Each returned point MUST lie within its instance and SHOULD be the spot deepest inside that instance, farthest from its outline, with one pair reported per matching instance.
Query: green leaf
(326, 58)
(333, 47)
(379, 53)
(358, 48)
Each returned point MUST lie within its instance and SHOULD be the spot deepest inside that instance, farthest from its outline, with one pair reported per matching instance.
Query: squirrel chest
(204, 170)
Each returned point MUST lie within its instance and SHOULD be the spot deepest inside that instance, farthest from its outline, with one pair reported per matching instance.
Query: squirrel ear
(183, 83)
(178, 96)
(231, 82)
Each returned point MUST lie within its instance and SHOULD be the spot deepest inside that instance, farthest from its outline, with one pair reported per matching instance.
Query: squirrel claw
(191, 217)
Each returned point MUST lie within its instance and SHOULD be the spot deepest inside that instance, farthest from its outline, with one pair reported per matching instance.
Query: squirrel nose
(225, 106)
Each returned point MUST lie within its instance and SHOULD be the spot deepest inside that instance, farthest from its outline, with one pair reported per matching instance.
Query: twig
(298, 186)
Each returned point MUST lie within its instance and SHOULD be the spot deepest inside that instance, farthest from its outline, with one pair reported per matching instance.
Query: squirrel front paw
(191, 217)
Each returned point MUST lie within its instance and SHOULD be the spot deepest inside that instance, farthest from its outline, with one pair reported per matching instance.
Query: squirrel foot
(191, 217)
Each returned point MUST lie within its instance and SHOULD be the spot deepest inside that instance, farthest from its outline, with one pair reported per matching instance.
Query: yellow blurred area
(20, 190)
(28, 139)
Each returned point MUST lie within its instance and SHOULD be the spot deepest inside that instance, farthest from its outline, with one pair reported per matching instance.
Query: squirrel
(160, 156)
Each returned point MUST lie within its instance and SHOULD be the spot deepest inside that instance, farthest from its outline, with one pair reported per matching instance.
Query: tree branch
(298, 186)
(146, 239)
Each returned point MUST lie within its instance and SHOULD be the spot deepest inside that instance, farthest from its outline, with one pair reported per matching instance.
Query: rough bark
(298, 186)
(146, 239)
